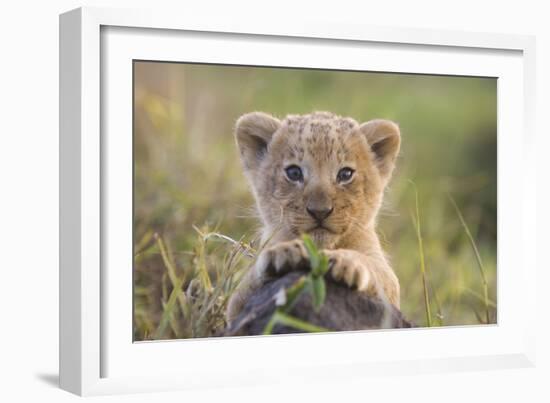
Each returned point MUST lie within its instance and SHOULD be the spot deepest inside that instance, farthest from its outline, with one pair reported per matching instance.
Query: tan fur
(321, 144)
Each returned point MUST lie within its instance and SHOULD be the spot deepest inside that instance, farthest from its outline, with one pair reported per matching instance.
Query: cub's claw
(347, 270)
(282, 258)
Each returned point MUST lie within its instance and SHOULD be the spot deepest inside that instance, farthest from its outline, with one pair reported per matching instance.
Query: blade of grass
(491, 303)
(144, 242)
(168, 310)
(439, 315)
(478, 258)
(293, 293)
(290, 321)
(314, 258)
(422, 262)
(171, 269)
(248, 250)
(201, 260)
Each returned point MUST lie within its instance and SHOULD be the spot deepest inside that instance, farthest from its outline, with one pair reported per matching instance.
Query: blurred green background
(187, 173)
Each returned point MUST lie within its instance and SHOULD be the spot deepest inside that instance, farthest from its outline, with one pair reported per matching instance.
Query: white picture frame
(97, 355)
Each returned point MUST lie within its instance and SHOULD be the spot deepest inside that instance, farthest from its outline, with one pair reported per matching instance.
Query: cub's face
(318, 174)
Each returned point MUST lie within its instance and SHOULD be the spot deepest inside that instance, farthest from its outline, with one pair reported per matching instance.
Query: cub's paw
(282, 258)
(348, 269)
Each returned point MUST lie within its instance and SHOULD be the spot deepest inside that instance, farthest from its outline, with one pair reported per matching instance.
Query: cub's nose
(319, 212)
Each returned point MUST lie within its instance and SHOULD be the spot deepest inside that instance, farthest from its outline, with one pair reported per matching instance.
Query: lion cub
(323, 175)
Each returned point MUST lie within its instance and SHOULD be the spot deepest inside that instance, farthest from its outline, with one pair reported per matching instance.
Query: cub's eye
(344, 175)
(294, 173)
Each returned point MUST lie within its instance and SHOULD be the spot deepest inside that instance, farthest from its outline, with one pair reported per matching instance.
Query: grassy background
(187, 173)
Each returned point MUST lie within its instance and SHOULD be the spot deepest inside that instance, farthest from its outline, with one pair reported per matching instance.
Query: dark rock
(343, 309)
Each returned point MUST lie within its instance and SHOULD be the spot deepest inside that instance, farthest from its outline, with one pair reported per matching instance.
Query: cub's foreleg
(272, 261)
(367, 273)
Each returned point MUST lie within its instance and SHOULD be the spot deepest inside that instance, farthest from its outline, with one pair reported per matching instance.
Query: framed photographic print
(253, 199)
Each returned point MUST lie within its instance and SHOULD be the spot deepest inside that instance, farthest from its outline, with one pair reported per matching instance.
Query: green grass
(193, 298)
(312, 284)
(478, 260)
(194, 225)
(416, 220)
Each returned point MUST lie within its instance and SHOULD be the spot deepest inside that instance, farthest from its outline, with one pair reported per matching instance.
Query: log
(343, 309)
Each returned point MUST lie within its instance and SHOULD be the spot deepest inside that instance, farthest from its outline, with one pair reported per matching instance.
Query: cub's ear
(384, 139)
(253, 133)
